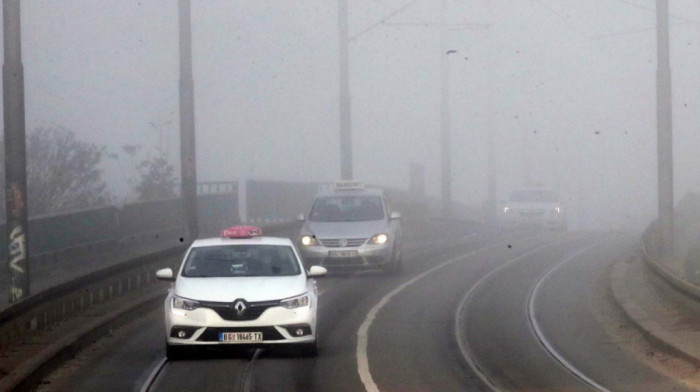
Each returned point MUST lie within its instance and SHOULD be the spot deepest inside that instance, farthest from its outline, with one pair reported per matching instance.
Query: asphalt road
(513, 311)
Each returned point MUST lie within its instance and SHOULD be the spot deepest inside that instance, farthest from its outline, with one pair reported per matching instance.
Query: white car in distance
(534, 207)
(241, 289)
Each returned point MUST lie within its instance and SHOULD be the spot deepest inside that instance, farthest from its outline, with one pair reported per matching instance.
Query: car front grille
(211, 334)
(226, 311)
(335, 242)
(531, 213)
(343, 261)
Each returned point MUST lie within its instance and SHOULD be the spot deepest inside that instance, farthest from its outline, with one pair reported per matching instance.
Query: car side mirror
(165, 274)
(317, 271)
(300, 217)
(395, 215)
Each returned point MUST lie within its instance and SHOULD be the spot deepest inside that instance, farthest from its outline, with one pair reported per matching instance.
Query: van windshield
(347, 209)
(535, 195)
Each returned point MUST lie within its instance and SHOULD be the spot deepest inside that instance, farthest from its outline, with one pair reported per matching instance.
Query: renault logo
(239, 306)
(343, 242)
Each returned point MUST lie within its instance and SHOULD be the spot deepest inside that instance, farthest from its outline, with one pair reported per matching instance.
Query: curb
(29, 373)
(670, 277)
(651, 330)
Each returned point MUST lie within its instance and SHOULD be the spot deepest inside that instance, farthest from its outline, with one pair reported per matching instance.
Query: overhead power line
(637, 31)
(653, 10)
(391, 15)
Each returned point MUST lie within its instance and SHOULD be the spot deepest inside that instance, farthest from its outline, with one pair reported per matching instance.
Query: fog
(567, 88)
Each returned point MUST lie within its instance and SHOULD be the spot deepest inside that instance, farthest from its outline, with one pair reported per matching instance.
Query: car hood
(532, 205)
(252, 289)
(364, 229)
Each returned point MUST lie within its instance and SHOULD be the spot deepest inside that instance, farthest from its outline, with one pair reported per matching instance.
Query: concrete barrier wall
(684, 263)
(150, 216)
(275, 201)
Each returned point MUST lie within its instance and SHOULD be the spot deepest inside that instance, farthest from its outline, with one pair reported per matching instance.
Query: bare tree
(157, 179)
(63, 173)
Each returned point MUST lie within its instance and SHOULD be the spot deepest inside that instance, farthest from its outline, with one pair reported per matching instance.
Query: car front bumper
(203, 326)
(515, 219)
(349, 258)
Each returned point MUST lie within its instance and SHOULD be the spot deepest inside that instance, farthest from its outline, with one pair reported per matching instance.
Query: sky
(566, 89)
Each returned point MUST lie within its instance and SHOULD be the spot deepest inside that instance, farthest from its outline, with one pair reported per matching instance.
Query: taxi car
(241, 289)
(538, 207)
(351, 227)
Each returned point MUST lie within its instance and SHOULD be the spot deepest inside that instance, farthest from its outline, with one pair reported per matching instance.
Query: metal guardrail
(41, 311)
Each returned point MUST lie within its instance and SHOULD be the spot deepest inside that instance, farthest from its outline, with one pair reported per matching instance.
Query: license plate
(343, 253)
(240, 337)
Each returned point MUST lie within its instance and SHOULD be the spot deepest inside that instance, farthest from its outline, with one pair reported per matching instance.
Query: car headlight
(296, 302)
(184, 303)
(309, 240)
(379, 239)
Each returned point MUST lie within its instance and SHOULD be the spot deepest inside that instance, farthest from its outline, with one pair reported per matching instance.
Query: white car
(536, 207)
(241, 289)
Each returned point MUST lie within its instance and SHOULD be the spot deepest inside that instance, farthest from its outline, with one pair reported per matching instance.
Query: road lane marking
(362, 333)
(416, 250)
(153, 376)
(423, 244)
(248, 381)
(540, 335)
(463, 346)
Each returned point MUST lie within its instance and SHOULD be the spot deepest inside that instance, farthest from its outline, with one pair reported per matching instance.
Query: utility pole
(492, 157)
(344, 99)
(491, 173)
(445, 140)
(15, 153)
(188, 161)
(664, 124)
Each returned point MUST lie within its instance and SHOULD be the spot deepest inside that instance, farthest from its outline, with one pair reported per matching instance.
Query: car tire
(394, 268)
(308, 349)
(174, 353)
(399, 266)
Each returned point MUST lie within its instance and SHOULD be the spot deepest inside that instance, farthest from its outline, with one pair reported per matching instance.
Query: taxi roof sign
(348, 185)
(241, 232)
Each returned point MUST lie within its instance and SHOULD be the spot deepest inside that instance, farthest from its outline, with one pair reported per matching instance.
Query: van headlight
(309, 240)
(295, 302)
(379, 239)
(184, 303)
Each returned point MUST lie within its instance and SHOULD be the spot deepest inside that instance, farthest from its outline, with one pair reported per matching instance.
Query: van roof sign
(348, 185)
(241, 232)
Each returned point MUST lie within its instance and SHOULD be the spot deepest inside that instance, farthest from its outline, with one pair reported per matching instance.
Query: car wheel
(308, 349)
(394, 268)
(399, 266)
(175, 353)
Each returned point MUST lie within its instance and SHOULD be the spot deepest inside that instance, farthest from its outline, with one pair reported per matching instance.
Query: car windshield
(347, 209)
(543, 196)
(240, 261)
